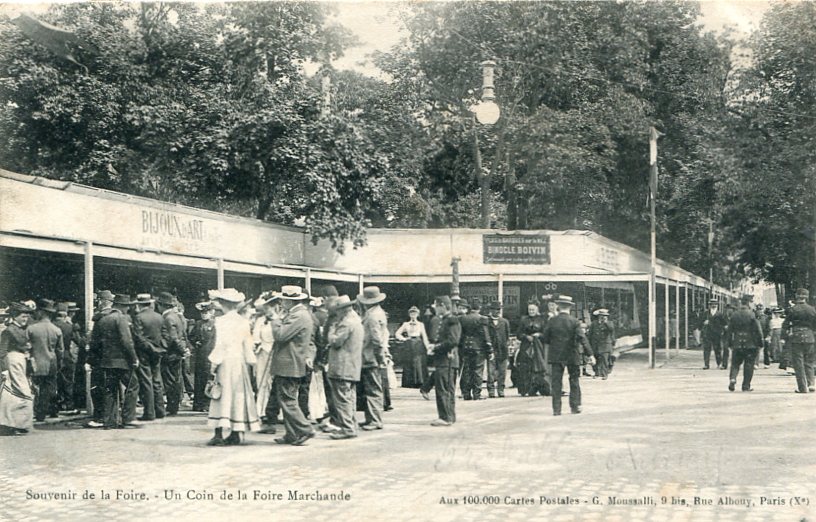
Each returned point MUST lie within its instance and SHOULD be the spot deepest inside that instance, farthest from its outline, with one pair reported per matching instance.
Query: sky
(377, 28)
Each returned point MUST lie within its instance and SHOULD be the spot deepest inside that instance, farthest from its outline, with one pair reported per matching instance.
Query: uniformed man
(104, 305)
(499, 329)
(67, 369)
(174, 344)
(566, 341)
(602, 338)
(475, 349)
(113, 340)
(799, 329)
(47, 351)
(147, 335)
(445, 360)
(744, 338)
(202, 339)
(713, 325)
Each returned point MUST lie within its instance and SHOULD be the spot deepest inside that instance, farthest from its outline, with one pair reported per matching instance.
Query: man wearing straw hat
(118, 361)
(292, 355)
(564, 337)
(375, 346)
(345, 345)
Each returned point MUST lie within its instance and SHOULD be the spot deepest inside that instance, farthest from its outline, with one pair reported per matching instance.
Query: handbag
(213, 388)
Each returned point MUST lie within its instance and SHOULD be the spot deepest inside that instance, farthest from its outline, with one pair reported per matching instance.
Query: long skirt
(235, 409)
(16, 400)
(263, 379)
(318, 406)
(523, 372)
(416, 369)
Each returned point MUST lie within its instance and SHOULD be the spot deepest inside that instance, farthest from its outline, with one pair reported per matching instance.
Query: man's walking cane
(89, 405)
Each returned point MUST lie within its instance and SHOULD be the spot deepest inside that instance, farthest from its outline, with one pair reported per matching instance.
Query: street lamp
(485, 112)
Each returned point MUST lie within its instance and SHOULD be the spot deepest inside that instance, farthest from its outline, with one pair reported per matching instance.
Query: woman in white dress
(231, 357)
(16, 399)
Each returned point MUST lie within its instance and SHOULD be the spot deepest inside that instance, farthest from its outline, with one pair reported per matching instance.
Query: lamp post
(485, 112)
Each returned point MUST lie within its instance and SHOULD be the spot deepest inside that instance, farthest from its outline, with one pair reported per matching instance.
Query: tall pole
(89, 285)
(653, 134)
(484, 180)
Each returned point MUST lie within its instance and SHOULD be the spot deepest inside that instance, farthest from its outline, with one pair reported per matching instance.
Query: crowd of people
(777, 335)
(318, 360)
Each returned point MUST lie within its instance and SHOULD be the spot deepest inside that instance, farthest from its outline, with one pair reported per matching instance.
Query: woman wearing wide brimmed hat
(231, 356)
(415, 342)
(16, 398)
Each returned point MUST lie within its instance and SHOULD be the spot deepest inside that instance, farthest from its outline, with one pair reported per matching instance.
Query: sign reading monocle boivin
(516, 249)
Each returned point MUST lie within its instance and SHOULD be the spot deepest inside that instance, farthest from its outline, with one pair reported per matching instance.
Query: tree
(200, 105)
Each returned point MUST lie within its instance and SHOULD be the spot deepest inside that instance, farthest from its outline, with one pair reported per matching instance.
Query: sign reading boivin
(516, 249)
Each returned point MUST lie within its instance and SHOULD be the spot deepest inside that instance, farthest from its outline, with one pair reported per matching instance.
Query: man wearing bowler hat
(475, 349)
(65, 379)
(712, 332)
(345, 345)
(566, 341)
(114, 343)
(47, 350)
(147, 335)
(800, 331)
(174, 345)
(292, 355)
(375, 346)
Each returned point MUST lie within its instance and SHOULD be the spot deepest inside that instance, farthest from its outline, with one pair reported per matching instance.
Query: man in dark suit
(293, 353)
(147, 334)
(799, 329)
(445, 359)
(113, 339)
(46, 356)
(713, 328)
(602, 338)
(499, 330)
(68, 367)
(566, 341)
(744, 338)
(475, 348)
(104, 306)
(174, 344)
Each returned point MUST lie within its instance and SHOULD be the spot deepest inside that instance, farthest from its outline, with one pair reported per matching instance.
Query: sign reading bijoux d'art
(516, 249)
(170, 224)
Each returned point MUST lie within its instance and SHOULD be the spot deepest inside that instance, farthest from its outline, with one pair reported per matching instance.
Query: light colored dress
(232, 353)
(16, 399)
(264, 340)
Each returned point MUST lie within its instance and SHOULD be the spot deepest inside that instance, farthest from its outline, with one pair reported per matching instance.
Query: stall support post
(686, 312)
(666, 318)
(360, 284)
(309, 281)
(652, 317)
(89, 285)
(677, 314)
(220, 273)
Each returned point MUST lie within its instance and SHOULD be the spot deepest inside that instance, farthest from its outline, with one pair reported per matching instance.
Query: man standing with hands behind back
(445, 358)
(563, 335)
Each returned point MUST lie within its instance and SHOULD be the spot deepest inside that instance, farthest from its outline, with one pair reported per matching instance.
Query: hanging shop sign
(516, 249)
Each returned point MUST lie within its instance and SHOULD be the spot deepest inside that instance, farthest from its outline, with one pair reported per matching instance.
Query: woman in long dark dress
(415, 342)
(529, 372)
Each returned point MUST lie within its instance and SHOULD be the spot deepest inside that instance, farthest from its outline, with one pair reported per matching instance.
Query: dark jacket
(450, 334)
(203, 338)
(800, 324)
(713, 326)
(293, 342)
(114, 341)
(563, 336)
(46, 347)
(602, 337)
(12, 339)
(67, 329)
(174, 334)
(147, 332)
(475, 337)
(499, 330)
(744, 331)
